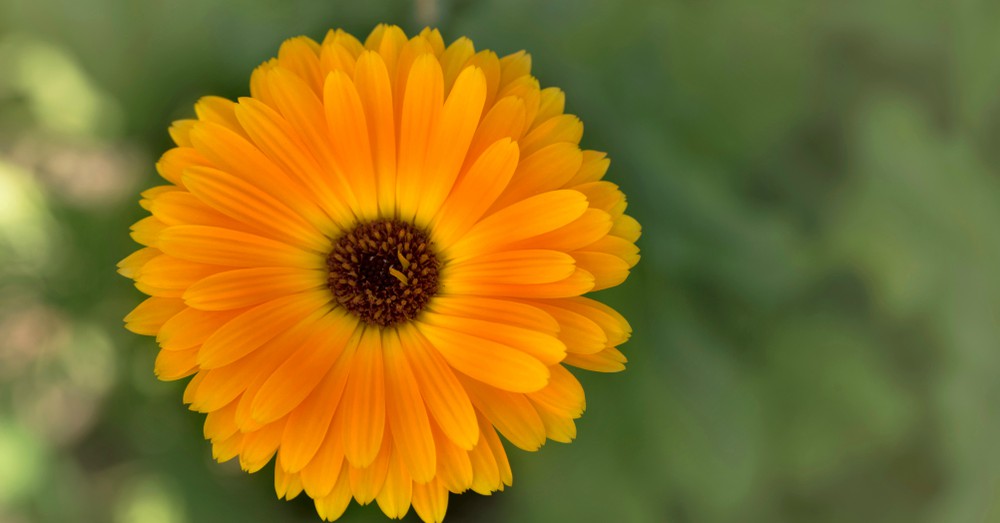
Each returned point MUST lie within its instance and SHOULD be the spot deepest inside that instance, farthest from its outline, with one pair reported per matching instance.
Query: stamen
(385, 272)
(399, 276)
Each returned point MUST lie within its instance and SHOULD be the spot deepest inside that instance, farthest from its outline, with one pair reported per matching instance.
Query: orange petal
(176, 364)
(547, 169)
(367, 482)
(333, 505)
(191, 327)
(446, 399)
(475, 192)
(351, 148)
(394, 498)
(327, 468)
(499, 365)
(248, 204)
(248, 331)
(419, 113)
(364, 402)
(529, 217)
(406, 413)
(540, 345)
(218, 246)
(310, 423)
(241, 288)
(501, 311)
(260, 445)
(450, 140)
(372, 81)
(563, 395)
(519, 267)
(430, 501)
(184, 208)
(511, 413)
(561, 128)
(296, 378)
(608, 360)
(150, 315)
(453, 465)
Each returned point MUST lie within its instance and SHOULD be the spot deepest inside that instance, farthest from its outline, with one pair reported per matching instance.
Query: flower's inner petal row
(509, 368)
(446, 400)
(241, 288)
(474, 192)
(511, 413)
(449, 141)
(406, 414)
(309, 424)
(364, 402)
(421, 107)
(367, 481)
(397, 491)
(350, 142)
(468, 153)
(259, 211)
(323, 199)
(371, 78)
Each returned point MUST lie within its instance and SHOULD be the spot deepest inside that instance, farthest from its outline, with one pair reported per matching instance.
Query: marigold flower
(377, 261)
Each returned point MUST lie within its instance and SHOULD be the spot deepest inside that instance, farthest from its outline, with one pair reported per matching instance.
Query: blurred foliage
(815, 314)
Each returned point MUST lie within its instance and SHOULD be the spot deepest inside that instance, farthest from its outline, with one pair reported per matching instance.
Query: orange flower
(377, 261)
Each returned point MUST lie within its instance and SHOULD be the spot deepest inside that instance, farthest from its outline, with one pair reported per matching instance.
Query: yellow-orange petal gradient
(375, 265)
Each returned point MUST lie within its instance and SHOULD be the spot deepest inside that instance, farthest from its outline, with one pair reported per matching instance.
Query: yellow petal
(300, 55)
(561, 128)
(176, 364)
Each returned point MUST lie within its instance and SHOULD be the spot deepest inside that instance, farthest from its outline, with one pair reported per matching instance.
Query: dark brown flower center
(384, 271)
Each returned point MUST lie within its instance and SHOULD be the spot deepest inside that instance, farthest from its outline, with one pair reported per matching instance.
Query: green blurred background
(815, 313)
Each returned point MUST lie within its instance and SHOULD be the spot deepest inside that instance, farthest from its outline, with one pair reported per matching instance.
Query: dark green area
(815, 314)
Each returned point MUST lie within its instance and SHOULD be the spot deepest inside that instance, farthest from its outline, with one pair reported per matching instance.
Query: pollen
(384, 272)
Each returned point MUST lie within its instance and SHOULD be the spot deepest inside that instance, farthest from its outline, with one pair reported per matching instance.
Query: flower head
(376, 262)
